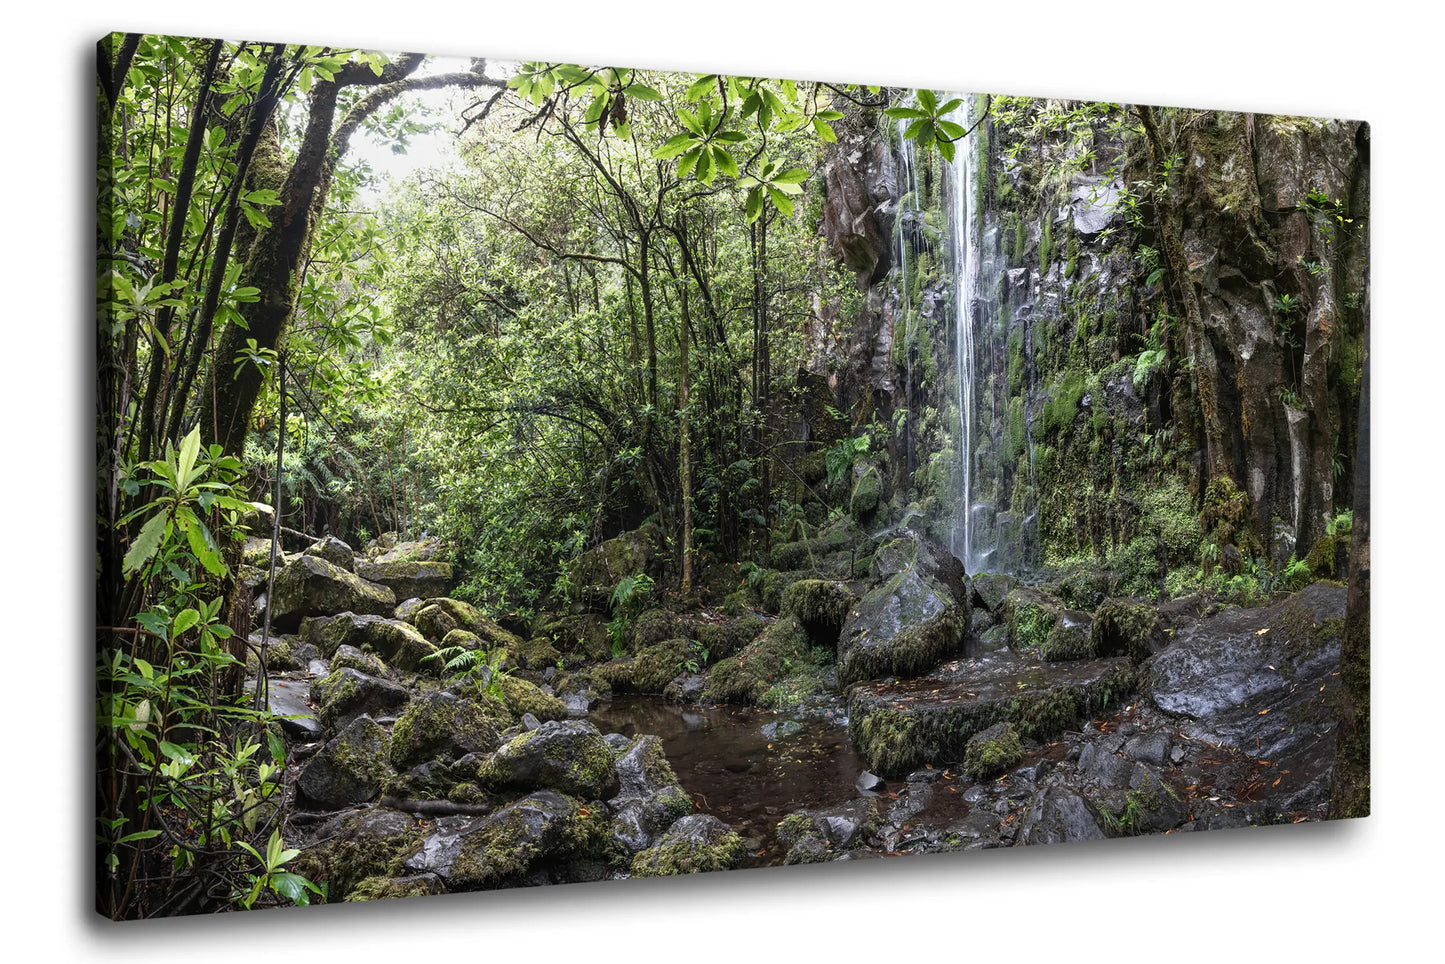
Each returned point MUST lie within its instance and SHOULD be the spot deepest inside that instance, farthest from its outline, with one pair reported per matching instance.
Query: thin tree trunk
(684, 451)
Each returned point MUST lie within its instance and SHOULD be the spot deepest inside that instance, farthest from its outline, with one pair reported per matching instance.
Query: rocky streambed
(874, 701)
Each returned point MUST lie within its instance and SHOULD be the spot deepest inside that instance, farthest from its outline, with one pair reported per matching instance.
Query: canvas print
(512, 474)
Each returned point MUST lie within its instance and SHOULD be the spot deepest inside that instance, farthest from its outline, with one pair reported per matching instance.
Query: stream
(733, 763)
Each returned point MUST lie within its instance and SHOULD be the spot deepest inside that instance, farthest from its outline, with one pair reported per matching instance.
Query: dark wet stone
(869, 782)
(567, 756)
(346, 694)
(1150, 748)
(1058, 815)
(925, 775)
(530, 722)
(350, 768)
(779, 729)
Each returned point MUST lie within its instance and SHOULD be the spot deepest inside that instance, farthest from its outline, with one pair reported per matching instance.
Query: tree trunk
(683, 445)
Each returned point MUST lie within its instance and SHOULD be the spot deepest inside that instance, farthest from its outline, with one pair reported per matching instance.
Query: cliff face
(1065, 418)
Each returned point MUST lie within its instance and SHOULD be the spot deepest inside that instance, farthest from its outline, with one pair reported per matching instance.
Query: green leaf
(946, 148)
(185, 619)
(754, 204)
(780, 201)
(147, 541)
(139, 835)
(641, 92)
(190, 448)
(701, 87)
(1154, 276)
(724, 161)
(690, 121)
(689, 160)
(950, 130)
(905, 113)
(824, 131)
(795, 176)
(949, 107)
(704, 171)
(928, 101)
(673, 146)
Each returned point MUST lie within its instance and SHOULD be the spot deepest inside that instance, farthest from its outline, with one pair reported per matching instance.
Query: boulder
(596, 573)
(440, 726)
(1070, 638)
(698, 843)
(910, 622)
(543, 838)
(354, 847)
(1058, 815)
(649, 798)
(567, 756)
(350, 768)
(334, 551)
(311, 586)
(992, 751)
(346, 694)
(397, 643)
(821, 605)
(406, 579)
(744, 678)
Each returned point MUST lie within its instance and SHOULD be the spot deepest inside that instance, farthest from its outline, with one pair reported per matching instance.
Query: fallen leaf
(1262, 712)
(1262, 631)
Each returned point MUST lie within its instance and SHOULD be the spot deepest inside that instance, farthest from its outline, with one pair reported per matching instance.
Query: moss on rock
(1123, 627)
(992, 751)
(744, 678)
(694, 844)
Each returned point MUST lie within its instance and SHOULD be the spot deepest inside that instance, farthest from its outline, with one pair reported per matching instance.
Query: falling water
(985, 534)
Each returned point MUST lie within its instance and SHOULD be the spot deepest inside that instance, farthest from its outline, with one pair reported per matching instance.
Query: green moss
(794, 827)
(867, 492)
(1122, 628)
(1030, 620)
(389, 888)
(1015, 364)
(1046, 244)
(778, 653)
(428, 726)
(818, 604)
(1069, 639)
(650, 670)
(724, 640)
(688, 856)
(1015, 437)
(993, 751)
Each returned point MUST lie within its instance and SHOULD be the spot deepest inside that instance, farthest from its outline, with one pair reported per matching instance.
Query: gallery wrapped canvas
(523, 473)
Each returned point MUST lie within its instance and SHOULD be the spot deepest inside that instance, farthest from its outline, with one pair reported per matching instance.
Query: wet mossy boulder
(392, 888)
(835, 552)
(311, 586)
(653, 626)
(567, 756)
(722, 640)
(423, 579)
(397, 643)
(575, 636)
(1031, 616)
(520, 697)
(867, 494)
(535, 654)
(990, 589)
(699, 843)
(1124, 627)
(440, 726)
(334, 551)
(908, 623)
(349, 657)
(542, 838)
(1071, 637)
(649, 799)
(992, 751)
(1058, 815)
(595, 573)
(650, 670)
(354, 847)
(815, 836)
(350, 768)
(744, 678)
(345, 694)
(821, 605)
(282, 653)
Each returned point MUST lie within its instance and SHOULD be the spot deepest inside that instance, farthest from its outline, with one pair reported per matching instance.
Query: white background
(1322, 892)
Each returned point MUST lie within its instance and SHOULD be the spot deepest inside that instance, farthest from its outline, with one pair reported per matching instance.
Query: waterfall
(993, 507)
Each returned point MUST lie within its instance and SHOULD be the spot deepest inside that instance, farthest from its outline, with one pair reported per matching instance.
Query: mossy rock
(350, 768)
(311, 586)
(440, 726)
(392, 888)
(595, 574)
(650, 670)
(520, 697)
(334, 551)
(725, 639)
(346, 693)
(1124, 627)
(821, 606)
(650, 798)
(992, 751)
(349, 657)
(397, 643)
(576, 637)
(540, 838)
(569, 757)
(652, 627)
(536, 654)
(695, 844)
(1070, 638)
(1031, 616)
(902, 627)
(990, 589)
(774, 655)
(423, 578)
(867, 495)
(355, 847)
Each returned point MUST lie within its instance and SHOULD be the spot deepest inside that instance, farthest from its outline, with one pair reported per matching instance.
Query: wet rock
(1070, 638)
(1095, 205)
(353, 847)
(925, 775)
(1125, 627)
(288, 700)
(311, 586)
(349, 657)
(780, 729)
(1152, 748)
(1058, 815)
(439, 726)
(649, 799)
(350, 768)
(761, 664)
(990, 589)
(870, 782)
(334, 551)
(686, 689)
(698, 843)
(347, 694)
(570, 757)
(911, 621)
(820, 605)
(596, 573)
(992, 751)
(397, 643)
